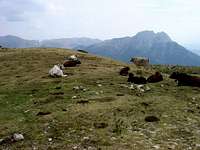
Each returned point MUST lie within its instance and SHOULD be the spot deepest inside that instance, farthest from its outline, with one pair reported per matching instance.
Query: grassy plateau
(104, 114)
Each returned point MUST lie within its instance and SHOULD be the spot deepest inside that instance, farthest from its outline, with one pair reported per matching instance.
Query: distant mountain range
(158, 47)
(17, 42)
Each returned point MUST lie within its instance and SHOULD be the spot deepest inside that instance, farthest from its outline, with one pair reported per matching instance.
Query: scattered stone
(151, 119)
(86, 138)
(190, 111)
(99, 85)
(18, 137)
(1, 141)
(120, 94)
(91, 148)
(156, 146)
(140, 86)
(144, 104)
(162, 85)
(101, 92)
(74, 97)
(83, 101)
(43, 113)
(50, 139)
(58, 93)
(147, 88)
(132, 87)
(75, 147)
(58, 87)
(100, 125)
(97, 93)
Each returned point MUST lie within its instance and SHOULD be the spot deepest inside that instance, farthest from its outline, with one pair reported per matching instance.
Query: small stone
(99, 85)
(101, 92)
(147, 88)
(141, 90)
(97, 93)
(76, 88)
(1, 141)
(120, 94)
(100, 125)
(194, 98)
(75, 147)
(86, 138)
(18, 137)
(91, 148)
(156, 146)
(140, 86)
(198, 145)
(50, 139)
(132, 87)
(151, 119)
(162, 85)
(74, 97)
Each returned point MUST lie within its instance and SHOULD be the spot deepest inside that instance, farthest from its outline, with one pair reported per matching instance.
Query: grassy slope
(26, 89)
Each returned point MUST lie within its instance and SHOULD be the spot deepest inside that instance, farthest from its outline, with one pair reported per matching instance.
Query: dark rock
(43, 113)
(58, 87)
(151, 119)
(100, 125)
(120, 94)
(58, 93)
(82, 102)
(144, 104)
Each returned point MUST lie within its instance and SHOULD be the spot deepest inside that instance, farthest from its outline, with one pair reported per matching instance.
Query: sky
(103, 19)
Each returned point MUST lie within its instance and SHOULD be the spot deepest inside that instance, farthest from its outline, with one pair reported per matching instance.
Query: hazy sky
(45, 19)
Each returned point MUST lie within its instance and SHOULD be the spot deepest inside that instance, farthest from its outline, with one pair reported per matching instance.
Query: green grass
(26, 89)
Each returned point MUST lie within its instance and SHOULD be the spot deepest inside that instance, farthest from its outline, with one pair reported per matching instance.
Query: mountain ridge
(159, 47)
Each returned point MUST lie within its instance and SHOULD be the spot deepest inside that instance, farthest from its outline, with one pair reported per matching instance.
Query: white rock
(99, 85)
(86, 138)
(75, 147)
(198, 145)
(50, 139)
(156, 146)
(142, 90)
(147, 88)
(132, 87)
(140, 86)
(1, 140)
(18, 137)
(74, 97)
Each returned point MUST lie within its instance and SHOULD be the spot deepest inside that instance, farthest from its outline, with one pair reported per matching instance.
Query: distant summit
(158, 47)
